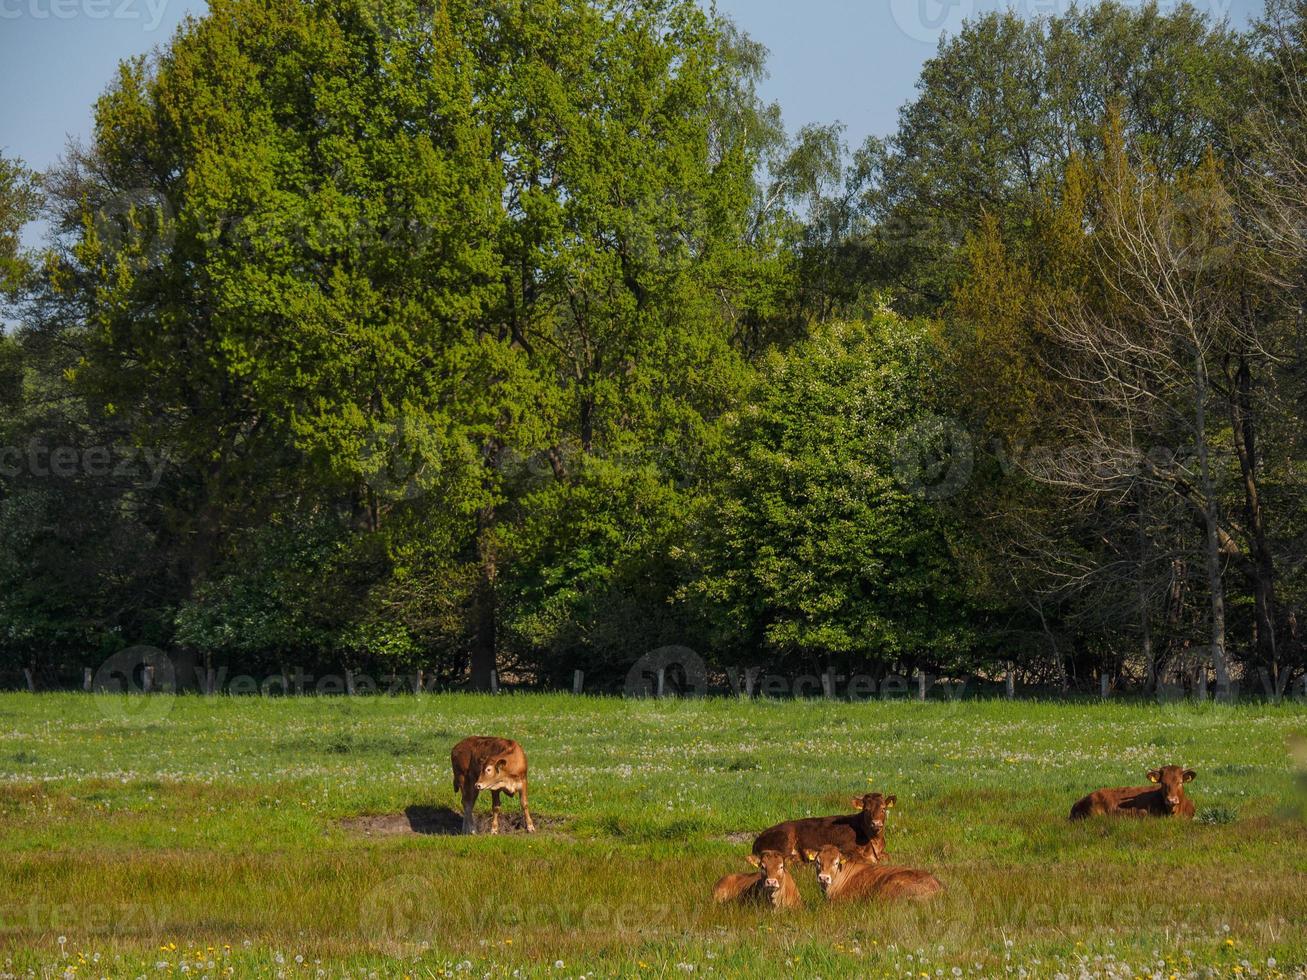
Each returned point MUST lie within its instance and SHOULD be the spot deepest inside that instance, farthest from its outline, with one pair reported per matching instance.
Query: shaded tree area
(526, 339)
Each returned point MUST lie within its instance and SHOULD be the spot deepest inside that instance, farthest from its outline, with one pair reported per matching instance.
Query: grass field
(223, 837)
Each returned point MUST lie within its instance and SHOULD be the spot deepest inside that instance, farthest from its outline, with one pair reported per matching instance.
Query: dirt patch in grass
(740, 837)
(437, 821)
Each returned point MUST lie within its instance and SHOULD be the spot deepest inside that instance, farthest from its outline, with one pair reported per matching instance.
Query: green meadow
(273, 836)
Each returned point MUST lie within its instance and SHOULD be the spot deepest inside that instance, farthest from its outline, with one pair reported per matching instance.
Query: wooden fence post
(751, 673)
(494, 682)
(662, 680)
(828, 685)
(147, 680)
(210, 682)
(1104, 686)
(1202, 683)
(921, 686)
(1010, 682)
(578, 681)
(86, 679)
(417, 682)
(31, 679)
(349, 682)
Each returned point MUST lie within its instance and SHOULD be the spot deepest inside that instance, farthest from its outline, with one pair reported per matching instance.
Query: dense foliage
(521, 337)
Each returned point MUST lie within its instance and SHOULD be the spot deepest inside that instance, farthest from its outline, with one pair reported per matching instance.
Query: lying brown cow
(860, 835)
(845, 879)
(771, 883)
(494, 764)
(1165, 798)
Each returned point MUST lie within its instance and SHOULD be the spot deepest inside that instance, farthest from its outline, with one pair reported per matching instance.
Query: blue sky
(851, 60)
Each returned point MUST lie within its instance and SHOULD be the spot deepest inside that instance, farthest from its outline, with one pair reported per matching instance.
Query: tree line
(523, 337)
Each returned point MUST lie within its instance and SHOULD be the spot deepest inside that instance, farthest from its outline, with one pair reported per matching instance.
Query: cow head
(1172, 779)
(772, 866)
(874, 805)
(831, 865)
(493, 776)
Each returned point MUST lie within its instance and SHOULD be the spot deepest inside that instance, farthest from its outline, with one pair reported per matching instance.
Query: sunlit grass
(213, 836)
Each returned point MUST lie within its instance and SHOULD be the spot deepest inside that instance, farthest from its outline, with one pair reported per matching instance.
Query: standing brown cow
(1165, 798)
(843, 878)
(860, 834)
(494, 764)
(770, 883)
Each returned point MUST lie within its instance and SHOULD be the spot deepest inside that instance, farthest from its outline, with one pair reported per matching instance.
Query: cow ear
(499, 764)
(1154, 776)
(856, 802)
(753, 859)
(1189, 775)
(810, 855)
(890, 801)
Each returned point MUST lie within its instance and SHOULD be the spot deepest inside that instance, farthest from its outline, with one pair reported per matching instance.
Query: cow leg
(494, 811)
(469, 801)
(526, 814)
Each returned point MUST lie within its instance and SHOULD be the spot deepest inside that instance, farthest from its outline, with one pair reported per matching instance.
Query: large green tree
(1002, 107)
(825, 544)
(275, 252)
(345, 263)
(628, 188)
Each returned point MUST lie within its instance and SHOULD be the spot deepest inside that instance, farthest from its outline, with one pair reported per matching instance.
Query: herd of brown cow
(847, 850)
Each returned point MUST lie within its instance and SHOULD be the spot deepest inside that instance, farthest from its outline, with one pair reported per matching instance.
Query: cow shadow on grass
(426, 821)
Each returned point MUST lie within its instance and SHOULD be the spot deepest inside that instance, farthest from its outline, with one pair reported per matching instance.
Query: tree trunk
(1211, 518)
(485, 651)
(1261, 568)
(1175, 611)
(1146, 633)
(587, 423)
(1059, 665)
(1141, 593)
